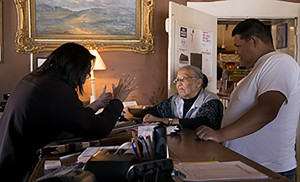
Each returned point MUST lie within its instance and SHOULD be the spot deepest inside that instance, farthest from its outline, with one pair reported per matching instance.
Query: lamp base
(92, 98)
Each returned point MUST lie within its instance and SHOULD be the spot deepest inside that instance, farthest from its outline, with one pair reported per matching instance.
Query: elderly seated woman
(192, 106)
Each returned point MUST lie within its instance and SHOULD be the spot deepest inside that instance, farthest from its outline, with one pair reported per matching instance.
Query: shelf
(226, 51)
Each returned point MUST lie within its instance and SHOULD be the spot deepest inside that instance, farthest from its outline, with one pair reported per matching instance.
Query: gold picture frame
(1, 33)
(29, 40)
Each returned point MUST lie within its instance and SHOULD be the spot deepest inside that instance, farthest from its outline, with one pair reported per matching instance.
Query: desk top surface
(185, 147)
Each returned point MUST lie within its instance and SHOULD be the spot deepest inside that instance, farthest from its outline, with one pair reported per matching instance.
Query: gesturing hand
(104, 98)
(124, 87)
(102, 101)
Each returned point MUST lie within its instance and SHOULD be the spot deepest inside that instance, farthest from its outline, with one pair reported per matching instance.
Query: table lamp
(98, 65)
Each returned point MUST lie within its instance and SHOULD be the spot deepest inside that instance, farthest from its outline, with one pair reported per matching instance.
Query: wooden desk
(39, 171)
(185, 147)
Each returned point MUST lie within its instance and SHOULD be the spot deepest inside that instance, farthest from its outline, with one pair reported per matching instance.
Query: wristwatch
(170, 121)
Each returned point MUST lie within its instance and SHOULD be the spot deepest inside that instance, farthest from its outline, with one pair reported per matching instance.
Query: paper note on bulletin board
(183, 41)
(195, 42)
(189, 42)
(206, 42)
(183, 55)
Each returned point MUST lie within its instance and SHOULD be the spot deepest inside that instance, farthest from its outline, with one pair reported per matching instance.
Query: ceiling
(293, 1)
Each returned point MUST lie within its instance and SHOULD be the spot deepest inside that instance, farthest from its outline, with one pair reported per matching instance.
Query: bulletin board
(195, 48)
(192, 41)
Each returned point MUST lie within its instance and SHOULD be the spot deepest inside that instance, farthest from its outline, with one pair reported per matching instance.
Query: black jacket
(37, 111)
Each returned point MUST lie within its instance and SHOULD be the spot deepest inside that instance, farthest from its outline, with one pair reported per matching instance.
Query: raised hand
(124, 87)
(104, 97)
(102, 101)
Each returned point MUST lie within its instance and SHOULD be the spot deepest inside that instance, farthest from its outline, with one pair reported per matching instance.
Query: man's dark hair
(72, 62)
(253, 27)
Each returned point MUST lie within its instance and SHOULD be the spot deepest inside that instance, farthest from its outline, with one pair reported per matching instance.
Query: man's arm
(260, 115)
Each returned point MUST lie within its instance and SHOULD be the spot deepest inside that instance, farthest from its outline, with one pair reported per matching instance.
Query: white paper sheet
(218, 171)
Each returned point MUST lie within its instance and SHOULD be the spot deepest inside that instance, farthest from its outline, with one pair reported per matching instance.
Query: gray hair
(198, 74)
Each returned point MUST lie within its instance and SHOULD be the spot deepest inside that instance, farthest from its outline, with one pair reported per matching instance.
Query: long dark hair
(72, 62)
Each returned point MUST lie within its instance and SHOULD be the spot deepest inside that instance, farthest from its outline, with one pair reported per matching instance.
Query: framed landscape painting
(125, 25)
(1, 33)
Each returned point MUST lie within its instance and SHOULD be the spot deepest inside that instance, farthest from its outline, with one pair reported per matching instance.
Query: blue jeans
(289, 174)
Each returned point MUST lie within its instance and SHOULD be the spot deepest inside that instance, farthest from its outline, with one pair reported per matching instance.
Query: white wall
(180, 15)
(251, 9)
(248, 8)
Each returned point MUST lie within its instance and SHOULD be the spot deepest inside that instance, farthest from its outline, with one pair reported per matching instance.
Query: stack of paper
(195, 171)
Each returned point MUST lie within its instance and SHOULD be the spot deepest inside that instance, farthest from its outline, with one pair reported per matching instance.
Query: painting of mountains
(85, 17)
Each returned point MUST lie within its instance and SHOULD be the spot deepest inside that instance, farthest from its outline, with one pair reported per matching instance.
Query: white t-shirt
(273, 146)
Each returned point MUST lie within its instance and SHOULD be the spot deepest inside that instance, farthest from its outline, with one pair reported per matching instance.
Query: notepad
(218, 171)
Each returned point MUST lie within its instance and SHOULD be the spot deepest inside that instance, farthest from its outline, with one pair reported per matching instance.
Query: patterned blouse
(206, 110)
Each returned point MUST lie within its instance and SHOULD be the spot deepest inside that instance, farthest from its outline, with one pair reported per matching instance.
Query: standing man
(261, 120)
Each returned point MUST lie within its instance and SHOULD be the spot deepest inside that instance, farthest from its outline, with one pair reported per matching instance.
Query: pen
(68, 156)
(138, 148)
(135, 148)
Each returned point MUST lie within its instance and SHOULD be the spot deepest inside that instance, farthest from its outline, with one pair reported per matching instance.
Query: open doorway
(283, 33)
(267, 9)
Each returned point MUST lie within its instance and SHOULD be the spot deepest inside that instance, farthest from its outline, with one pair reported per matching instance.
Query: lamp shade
(99, 64)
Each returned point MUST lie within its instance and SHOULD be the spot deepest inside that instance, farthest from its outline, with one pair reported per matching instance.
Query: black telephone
(159, 142)
(157, 170)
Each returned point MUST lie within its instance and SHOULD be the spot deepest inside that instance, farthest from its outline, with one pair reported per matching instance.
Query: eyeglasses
(182, 79)
(88, 76)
